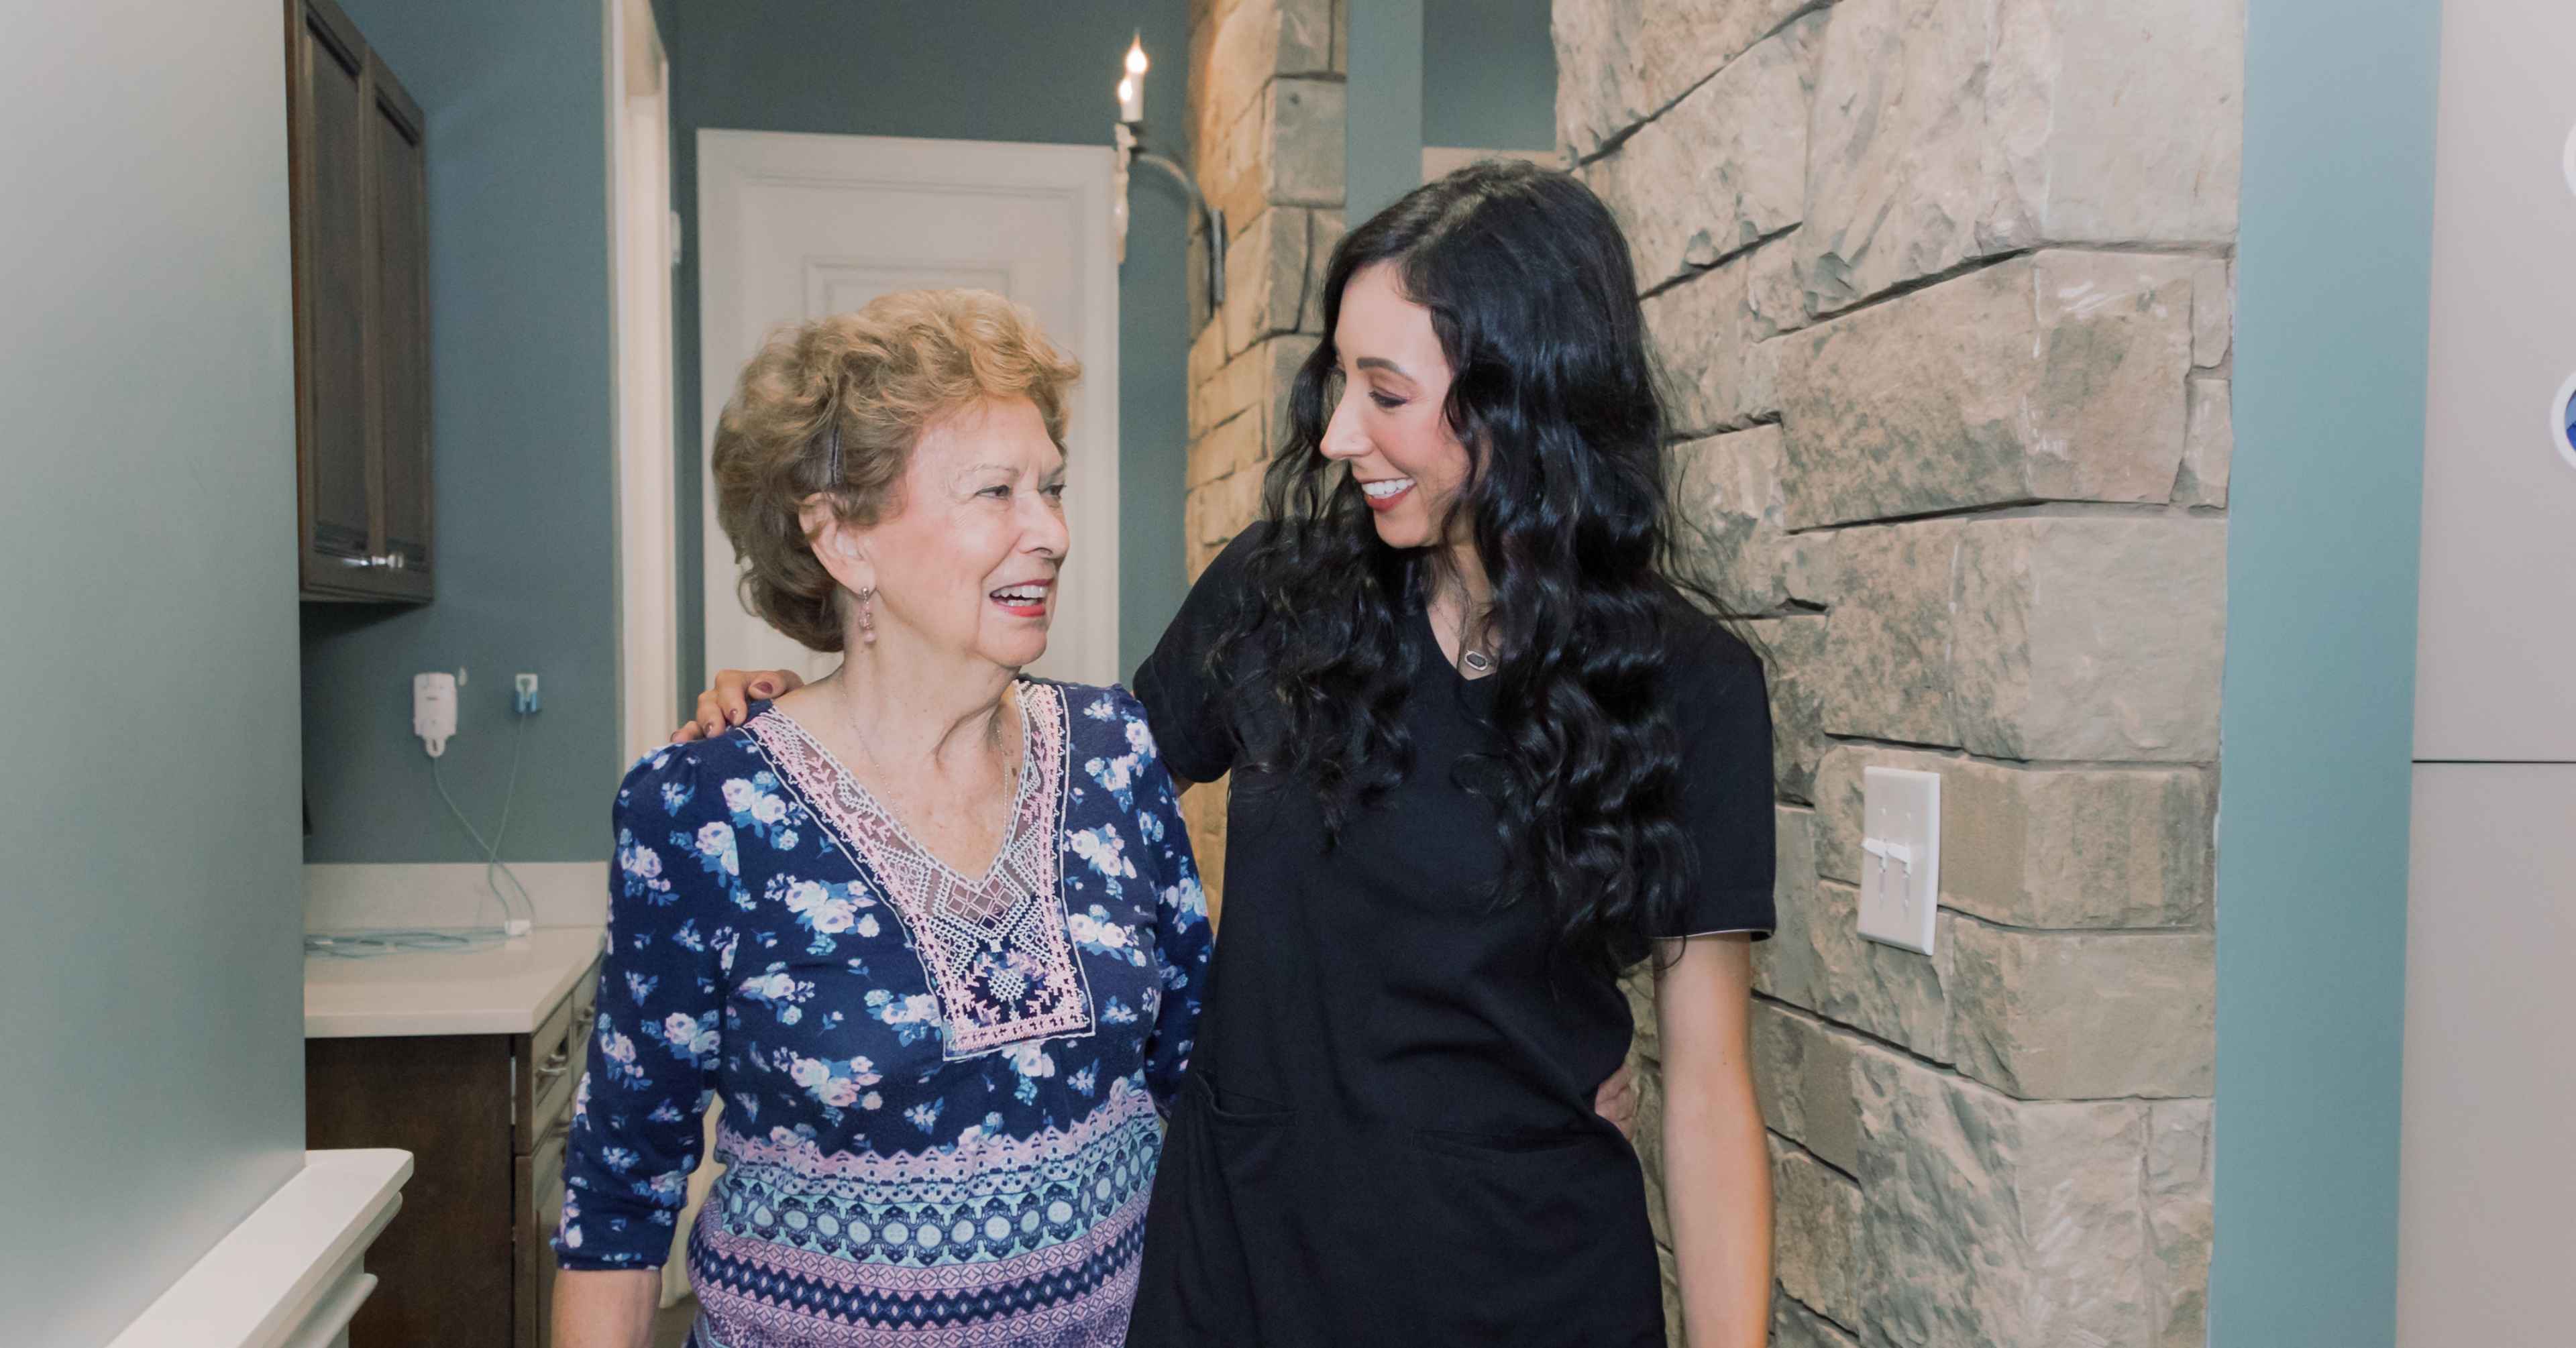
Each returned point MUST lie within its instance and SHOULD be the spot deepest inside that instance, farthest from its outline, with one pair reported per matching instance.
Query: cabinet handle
(554, 1065)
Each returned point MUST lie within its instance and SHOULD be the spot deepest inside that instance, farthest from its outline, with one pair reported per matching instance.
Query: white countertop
(291, 1272)
(505, 988)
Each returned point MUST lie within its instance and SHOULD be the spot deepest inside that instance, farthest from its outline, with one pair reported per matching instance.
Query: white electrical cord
(372, 942)
(517, 920)
(367, 943)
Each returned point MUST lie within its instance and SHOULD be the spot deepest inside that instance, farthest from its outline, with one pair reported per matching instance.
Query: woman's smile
(1385, 492)
(1025, 599)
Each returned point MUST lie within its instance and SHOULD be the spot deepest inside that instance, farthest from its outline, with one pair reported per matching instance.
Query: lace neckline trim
(996, 950)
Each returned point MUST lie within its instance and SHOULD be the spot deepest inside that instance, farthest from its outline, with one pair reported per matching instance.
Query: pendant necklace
(1470, 659)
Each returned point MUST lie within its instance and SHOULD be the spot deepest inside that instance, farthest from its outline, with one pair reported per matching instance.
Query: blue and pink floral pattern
(942, 1095)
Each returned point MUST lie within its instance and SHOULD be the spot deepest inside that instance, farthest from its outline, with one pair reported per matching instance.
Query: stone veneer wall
(1266, 84)
(1943, 287)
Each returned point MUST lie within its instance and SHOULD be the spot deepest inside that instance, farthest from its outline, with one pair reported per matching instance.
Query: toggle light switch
(1900, 869)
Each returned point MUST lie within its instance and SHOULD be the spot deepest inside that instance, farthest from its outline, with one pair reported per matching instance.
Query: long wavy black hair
(1531, 293)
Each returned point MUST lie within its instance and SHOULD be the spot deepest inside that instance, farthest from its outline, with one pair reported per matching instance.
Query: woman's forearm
(1717, 1162)
(1717, 1191)
(606, 1308)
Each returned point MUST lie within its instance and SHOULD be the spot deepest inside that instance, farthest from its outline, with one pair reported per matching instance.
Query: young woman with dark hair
(1485, 756)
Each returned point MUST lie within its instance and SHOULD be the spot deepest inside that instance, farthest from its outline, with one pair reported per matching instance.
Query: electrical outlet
(524, 694)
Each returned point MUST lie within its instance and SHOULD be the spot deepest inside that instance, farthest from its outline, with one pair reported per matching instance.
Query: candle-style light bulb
(1131, 89)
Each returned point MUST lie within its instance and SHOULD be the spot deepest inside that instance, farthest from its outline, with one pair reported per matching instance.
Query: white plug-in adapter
(433, 710)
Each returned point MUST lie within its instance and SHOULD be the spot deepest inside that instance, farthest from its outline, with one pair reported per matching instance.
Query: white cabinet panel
(2496, 678)
(2486, 1190)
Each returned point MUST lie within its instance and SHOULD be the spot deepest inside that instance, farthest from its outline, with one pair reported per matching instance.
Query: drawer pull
(554, 1065)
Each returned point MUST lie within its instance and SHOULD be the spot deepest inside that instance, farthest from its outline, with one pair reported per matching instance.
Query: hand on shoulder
(728, 702)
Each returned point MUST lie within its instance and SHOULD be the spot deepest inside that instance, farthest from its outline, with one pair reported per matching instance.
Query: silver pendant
(1475, 661)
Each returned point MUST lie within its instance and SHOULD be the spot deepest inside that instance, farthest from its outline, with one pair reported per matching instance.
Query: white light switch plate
(1900, 864)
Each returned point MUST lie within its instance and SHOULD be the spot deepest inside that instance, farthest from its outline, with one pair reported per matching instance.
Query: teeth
(1019, 596)
(1390, 487)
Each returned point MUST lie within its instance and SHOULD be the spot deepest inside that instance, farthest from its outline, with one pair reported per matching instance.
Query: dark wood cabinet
(359, 199)
(467, 1262)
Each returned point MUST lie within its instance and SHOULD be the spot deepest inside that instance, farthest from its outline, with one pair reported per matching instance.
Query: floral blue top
(942, 1093)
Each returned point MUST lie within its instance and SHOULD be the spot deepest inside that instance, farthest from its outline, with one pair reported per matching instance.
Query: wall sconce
(1131, 149)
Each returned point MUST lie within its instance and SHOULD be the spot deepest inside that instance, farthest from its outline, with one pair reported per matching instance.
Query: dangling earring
(867, 615)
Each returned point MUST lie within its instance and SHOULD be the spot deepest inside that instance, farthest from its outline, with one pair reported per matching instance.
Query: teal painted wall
(1488, 74)
(1383, 126)
(521, 392)
(2333, 277)
(962, 70)
(153, 1071)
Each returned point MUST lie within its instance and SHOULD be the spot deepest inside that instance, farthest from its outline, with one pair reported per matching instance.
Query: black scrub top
(1388, 1134)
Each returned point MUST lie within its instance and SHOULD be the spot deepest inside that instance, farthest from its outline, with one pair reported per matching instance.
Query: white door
(799, 226)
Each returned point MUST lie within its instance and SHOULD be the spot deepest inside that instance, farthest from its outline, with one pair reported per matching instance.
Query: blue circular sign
(2562, 422)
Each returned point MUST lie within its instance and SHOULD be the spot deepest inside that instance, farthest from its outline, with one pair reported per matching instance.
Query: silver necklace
(1472, 660)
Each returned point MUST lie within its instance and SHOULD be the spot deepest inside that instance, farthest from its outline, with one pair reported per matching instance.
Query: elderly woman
(931, 929)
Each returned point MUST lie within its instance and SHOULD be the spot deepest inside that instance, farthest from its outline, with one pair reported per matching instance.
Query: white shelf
(294, 1271)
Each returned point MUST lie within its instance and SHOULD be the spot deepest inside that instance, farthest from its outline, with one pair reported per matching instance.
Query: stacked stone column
(1942, 290)
(1266, 86)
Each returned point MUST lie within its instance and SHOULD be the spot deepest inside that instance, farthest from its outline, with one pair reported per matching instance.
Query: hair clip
(832, 455)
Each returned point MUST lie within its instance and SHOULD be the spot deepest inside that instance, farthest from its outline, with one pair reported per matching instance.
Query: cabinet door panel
(402, 328)
(447, 1259)
(334, 416)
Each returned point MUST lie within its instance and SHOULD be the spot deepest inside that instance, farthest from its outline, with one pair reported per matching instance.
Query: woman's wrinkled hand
(726, 704)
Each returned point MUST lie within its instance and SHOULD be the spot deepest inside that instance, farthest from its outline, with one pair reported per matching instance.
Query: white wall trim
(646, 577)
(449, 894)
(294, 1271)
(729, 162)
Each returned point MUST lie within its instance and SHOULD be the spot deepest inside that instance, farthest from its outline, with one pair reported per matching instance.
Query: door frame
(732, 162)
(642, 232)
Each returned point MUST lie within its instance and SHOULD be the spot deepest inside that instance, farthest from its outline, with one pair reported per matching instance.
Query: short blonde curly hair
(880, 377)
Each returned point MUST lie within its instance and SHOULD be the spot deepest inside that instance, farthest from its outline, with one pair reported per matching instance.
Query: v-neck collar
(997, 953)
(1026, 780)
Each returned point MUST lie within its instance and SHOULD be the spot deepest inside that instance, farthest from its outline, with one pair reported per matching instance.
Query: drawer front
(551, 1064)
(540, 1207)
